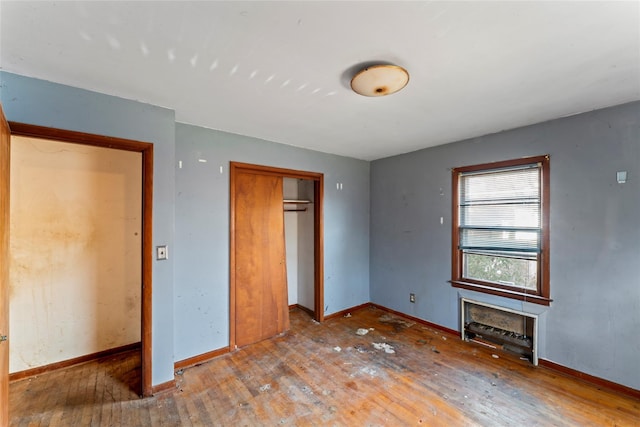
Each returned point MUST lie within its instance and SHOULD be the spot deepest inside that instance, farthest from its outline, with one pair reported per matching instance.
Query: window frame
(542, 293)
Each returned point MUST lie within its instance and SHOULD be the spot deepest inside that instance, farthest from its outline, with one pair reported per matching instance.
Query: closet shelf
(296, 202)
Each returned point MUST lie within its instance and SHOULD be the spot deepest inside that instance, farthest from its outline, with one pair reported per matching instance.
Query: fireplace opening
(499, 327)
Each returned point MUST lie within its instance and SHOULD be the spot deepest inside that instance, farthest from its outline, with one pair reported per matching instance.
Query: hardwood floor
(326, 374)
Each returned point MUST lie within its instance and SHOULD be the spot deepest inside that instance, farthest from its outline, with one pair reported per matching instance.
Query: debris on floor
(397, 323)
(360, 348)
(347, 315)
(362, 331)
(495, 356)
(265, 388)
(435, 350)
(368, 370)
(337, 348)
(384, 346)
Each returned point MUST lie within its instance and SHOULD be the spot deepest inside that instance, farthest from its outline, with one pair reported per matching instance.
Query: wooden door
(261, 299)
(5, 135)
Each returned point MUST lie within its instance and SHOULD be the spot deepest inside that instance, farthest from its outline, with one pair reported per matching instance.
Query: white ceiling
(280, 71)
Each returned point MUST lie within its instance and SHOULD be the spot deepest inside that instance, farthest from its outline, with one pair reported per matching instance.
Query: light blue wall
(42, 103)
(202, 229)
(592, 324)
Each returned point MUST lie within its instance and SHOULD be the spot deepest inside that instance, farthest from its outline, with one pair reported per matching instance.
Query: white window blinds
(500, 212)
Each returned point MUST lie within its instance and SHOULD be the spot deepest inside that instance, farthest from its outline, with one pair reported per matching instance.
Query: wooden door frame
(5, 174)
(146, 149)
(318, 235)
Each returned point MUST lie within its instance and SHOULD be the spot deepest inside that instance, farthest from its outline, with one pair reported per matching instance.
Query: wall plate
(162, 252)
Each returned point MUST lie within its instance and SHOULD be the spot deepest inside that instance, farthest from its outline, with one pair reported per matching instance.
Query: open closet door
(260, 277)
(5, 138)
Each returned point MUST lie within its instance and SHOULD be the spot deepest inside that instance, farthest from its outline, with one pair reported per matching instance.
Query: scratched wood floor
(326, 375)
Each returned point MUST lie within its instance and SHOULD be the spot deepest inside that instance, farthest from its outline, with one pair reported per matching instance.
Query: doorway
(146, 168)
(298, 225)
(258, 289)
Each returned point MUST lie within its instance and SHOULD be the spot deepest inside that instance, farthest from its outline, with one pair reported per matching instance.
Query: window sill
(522, 296)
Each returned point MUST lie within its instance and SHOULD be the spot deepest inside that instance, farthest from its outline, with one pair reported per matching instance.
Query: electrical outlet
(162, 252)
(412, 297)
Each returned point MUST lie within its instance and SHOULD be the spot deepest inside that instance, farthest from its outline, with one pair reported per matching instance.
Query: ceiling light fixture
(379, 80)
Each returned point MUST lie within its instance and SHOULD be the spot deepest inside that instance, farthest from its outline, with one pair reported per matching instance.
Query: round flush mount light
(379, 80)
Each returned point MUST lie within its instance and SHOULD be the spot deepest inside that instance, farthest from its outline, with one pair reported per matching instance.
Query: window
(501, 229)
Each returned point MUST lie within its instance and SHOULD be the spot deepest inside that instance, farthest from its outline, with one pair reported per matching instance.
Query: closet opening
(299, 239)
(276, 249)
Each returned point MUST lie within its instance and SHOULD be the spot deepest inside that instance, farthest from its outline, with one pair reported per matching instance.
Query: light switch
(162, 252)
